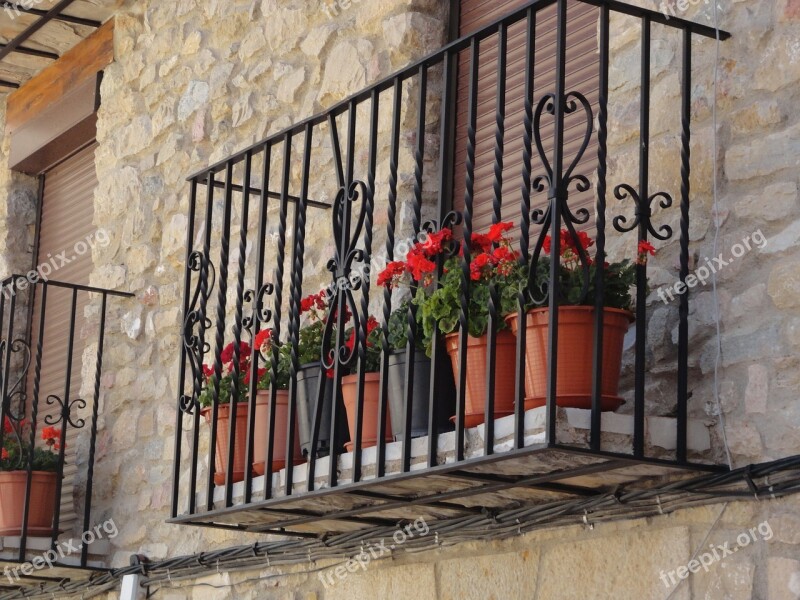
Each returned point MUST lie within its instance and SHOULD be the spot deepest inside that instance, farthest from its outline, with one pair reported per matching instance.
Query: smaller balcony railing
(49, 434)
(320, 456)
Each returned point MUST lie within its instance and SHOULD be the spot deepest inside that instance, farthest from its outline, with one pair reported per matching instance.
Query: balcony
(51, 358)
(427, 415)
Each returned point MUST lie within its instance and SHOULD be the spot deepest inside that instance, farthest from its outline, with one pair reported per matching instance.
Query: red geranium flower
(418, 264)
(5, 454)
(391, 274)
(52, 436)
(481, 242)
(643, 250)
(497, 230)
(263, 340)
(434, 241)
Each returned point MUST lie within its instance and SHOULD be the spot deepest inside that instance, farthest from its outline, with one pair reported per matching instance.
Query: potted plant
(576, 326)
(314, 309)
(14, 476)
(243, 410)
(398, 275)
(372, 392)
(263, 343)
(493, 264)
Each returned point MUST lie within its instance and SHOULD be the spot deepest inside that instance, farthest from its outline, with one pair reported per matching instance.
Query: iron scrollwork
(341, 266)
(538, 284)
(195, 325)
(643, 212)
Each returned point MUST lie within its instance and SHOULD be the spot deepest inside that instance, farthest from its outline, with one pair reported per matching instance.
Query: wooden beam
(77, 65)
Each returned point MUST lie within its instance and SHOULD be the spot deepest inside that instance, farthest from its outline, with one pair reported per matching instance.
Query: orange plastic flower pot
(279, 438)
(369, 413)
(575, 355)
(12, 502)
(505, 358)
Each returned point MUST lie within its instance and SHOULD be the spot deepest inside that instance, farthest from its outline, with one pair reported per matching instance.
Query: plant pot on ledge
(369, 413)
(223, 427)
(261, 434)
(575, 355)
(475, 407)
(12, 502)
(307, 382)
(420, 395)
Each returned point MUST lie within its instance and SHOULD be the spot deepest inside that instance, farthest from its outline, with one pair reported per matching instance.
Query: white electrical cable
(717, 226)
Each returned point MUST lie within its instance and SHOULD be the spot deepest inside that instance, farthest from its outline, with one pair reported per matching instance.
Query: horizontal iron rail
(72, 286)
(450, 49)
(274, 195)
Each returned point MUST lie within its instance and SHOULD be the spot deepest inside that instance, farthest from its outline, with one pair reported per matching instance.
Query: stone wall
(630, 560)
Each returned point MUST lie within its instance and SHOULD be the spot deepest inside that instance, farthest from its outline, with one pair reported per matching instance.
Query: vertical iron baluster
(255, 353)
(205, 268)
(37, 372)
(411, 318)
(558, 197)
(600, 255)
(525, 222)
(641, 269)
(286, 173)
(387, 294)
(294, 304)
(344, 244)
(683, 308)
(497, 202)
(66, 419)
(222, 287)
(4, 351)
(7, 348)
(463, 321)
(187, 282)
(321, 381)
(87, 509)
(443, 206)
(237, 335)
(369, 201)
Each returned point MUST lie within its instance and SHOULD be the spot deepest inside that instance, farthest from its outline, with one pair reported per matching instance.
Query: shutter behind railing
(582, 76)
(66, 220)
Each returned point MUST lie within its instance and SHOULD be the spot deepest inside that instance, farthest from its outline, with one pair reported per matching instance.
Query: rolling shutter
(582, 75)
(66, 220)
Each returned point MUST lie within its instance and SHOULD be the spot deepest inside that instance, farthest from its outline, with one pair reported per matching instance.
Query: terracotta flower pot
(12, 502)
(260, 436)
(279, 440)
(575, 348)
(223, 419)
(369, 416)
(505, 358)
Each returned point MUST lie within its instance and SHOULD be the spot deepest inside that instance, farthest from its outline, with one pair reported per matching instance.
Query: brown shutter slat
(582, 76)
(67, 214)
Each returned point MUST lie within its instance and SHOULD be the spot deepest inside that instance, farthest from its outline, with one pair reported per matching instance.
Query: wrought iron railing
(264, 194)
(49, 434)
